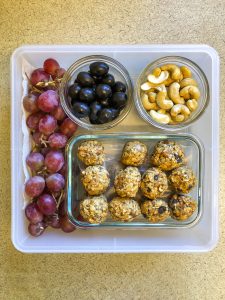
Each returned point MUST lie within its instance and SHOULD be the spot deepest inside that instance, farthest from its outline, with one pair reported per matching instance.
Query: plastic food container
(197, 74)
(199, 238)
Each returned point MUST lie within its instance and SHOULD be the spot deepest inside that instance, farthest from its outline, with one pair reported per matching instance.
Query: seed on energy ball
(109, 79)
(74, 91)
(103, 91)
(86, 95)
(119, 100)
(119, 87)
(81, 110)
(85, 79)
(99, 68)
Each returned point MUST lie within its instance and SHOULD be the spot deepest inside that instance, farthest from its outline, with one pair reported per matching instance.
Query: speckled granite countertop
(71, 276)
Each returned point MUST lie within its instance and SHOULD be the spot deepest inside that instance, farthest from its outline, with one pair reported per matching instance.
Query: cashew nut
(161, 88)
(186, 72)
(156, 72)
(192, 104)
(152, 96)
(146, 86)
(148, 105)
(159, 118)
(174, 94)
(189, 92)
(163, 102)
(161, 111)
(188, 81)
(160, 79)
(175, 71)
(180, 109)
(179, 118)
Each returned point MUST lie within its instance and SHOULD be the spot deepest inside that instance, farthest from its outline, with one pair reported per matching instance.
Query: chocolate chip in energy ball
(156, 177)
(178, 158)
(161, 209)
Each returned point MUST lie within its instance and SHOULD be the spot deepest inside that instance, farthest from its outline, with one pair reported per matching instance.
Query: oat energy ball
(134, 153)
(124, 209)
(91, 153)
(183, 179)
(156, 210)
(167, 155)
(95, 180)
(182, 207)
(94, 209)
(154, 183)
(127, 182)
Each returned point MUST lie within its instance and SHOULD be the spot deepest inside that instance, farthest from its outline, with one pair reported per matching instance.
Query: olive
(106, 115)
(103, 91)
(99, 68)
(74, 91)
(97, 79)
(87, 95)
(119, 87)
(105, 102)
(81, 110)
(119, 100)
(95, 107)
(109, 79)
(85, 79)
(115, 113)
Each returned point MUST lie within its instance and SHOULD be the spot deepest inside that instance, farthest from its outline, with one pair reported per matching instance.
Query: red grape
(66, 224)
(47, 124)
(62, 208)
(35, 161)
(48, 101)
(44, 151)
(33, 213)
(30, 103)
(51, 66)
(68, 127)
(55, 182)
(58, 113)
(37, 229)
(34, 186)
(63, 170)
(57, 140)
(53, 221)
(54, 161)
(59, 73)
(39, 75)
(46, 204)
(33, 120)
(38, 138)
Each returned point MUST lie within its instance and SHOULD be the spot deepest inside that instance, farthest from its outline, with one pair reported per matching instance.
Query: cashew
(152, 96)
(186, 72)
(192, 104)
(175, 71)
(148, 105)
(174, 94)
(188, 81)
(179, 118)
(160, 79)
(163, 102)
(180, 109)
(156, 72)
(161, 88)
(161, 111)
(159, 118)
(146, 86)
(189, 92)
(168, 81)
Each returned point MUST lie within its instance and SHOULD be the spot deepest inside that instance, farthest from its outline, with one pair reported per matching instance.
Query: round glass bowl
(197, 74)
(115, 68)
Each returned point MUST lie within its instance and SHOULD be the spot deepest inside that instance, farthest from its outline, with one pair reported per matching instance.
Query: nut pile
(170, 94)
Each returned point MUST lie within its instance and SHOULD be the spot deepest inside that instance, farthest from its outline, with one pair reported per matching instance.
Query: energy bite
(95, 180)
(156, 210)
(91, 153)
(182, 207)
(154, 183)
(167, 155)
(183, 179)
(94, 209)
(127, 182)
(134, 153)
(124, 209)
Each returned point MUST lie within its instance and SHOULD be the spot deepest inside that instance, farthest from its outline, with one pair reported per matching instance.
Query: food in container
(134, 153)
(94, 209)
(182, 207)
(91, 153)
(156, 210)
(183, 179)
(124, 209)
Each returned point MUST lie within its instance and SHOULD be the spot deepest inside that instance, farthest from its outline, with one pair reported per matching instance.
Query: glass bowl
(197, 74)
(115, 68)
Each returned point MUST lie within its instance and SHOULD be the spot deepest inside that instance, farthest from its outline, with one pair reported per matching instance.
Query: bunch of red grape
(50, 129)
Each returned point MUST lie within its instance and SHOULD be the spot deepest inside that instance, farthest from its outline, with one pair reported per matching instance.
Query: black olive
(119, 100)
(115, 113)
(95, 107)
(105, 102)
(74, 91)
(85, 79)
(81, 110)
(99, 68)
(109, 79)
(97, 79)
(105, 115)
(119, 87)
(103, 91)
(87, 95)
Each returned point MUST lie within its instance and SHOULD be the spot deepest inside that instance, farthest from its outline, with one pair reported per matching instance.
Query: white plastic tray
(202, 237)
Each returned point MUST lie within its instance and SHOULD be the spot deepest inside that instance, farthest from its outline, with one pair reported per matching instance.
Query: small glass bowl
(115, 68)
(197, 74)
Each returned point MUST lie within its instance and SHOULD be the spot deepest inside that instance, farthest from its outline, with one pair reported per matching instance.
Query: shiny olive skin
(85, 79)
(95, 107)
(99, 68)
(119, 87)
(105, 102)
(119, 100)
(103, 91)
(81, 110)
(109, 79)
(74, 91)
(107, 115)
(87, 95)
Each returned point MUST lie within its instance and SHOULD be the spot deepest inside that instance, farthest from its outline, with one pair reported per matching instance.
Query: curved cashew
(156, 72)
(159, 118)
(152, 97)
(189, 92)
(168, 81)
(160, 79)
(148, 105)
(161, 111)
(175, 71)
(146, 86)
(192, 104)
(161, 88)
(163, 102)
(188, 81)
(180, 109)
(174, 94)
(186, 72)
(179, 118)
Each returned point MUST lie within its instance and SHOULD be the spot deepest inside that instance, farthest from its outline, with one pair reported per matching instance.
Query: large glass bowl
(197, 74)
(115, 68)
